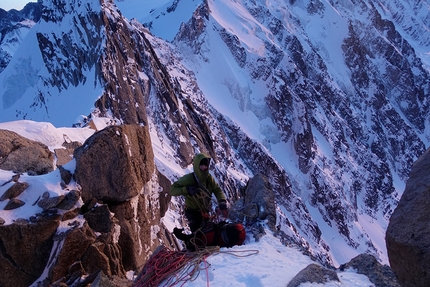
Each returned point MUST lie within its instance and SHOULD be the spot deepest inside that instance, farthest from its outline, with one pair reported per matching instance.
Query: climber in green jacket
(198, 187)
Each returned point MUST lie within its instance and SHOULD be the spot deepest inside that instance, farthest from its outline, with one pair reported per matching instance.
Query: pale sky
(14, 4)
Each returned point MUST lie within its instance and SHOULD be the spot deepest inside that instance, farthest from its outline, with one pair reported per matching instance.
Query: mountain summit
(327, 99)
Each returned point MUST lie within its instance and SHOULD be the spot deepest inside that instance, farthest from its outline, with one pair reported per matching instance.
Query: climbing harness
(202, 199)
(200, 184)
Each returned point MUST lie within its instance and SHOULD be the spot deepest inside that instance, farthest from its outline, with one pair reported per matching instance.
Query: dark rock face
(94, 253)
(236, 49)
(190, 32)
(16, 189)
(116, 166)
(378, 274)
(139, 220)
(25, 248)
(99, 219)
(29, 248)
(408, 232)
(120, 160)
(64, 155)
(20, 154)
(74, 245)
(52, 46)
(120, 71)
(258, 202)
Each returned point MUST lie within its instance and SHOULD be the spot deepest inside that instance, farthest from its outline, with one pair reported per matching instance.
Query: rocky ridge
(80, 239)
(106, 223)
(373, 124)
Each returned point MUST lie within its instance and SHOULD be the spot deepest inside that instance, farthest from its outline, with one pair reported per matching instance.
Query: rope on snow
(168, 268)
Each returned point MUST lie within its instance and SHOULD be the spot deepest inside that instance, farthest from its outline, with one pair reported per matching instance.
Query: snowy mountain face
(14, 25)
(328, 99)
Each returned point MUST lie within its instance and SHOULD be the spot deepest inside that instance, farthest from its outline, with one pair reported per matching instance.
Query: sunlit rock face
(111, 223)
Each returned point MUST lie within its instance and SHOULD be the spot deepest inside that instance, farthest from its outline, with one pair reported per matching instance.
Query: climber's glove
(222, 205)
(223, 208)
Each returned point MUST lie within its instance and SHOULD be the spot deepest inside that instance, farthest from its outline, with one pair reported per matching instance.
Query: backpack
(221, 234)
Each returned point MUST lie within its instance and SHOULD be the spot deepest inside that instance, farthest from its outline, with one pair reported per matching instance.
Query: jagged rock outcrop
(115, 230)
(190, 32)
(379, 274)
(65, 154)
(20, 154)
(25, 248)
(121, 159)
(93, 252)
(257, 203)
(408, 233)
(313, 273)
(16, 189)
(109, 155)
(137, 75)
(366, 264)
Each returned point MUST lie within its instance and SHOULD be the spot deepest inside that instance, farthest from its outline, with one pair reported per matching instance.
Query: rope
(202, 199)
(238, 253)
(167, 268)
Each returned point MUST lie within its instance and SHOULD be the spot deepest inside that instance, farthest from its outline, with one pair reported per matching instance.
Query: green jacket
(202, 200)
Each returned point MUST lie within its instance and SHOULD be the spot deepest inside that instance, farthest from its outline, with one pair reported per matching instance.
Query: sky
(13, 4)
(254, 264)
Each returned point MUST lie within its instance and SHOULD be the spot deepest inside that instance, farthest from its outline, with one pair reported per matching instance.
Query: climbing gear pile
(168, 268)
(221, 234)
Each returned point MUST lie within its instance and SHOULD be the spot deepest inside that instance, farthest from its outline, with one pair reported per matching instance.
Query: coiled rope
(167, 268)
